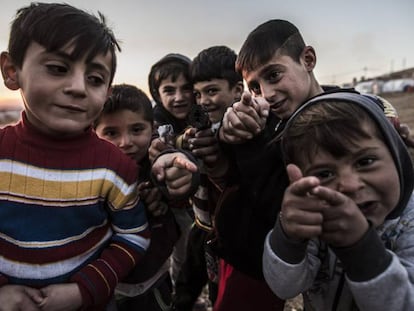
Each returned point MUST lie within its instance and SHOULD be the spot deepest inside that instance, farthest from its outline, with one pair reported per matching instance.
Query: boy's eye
(212, 91)
(323, 175)
(274, 76)
(367, 161)
(197, 95)
(110, 133)
(255, 88)
(169, 91)
(137, 129)
(96, 80)
(56, 69)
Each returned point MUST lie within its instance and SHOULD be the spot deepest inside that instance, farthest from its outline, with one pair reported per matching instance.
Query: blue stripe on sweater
(37, 223)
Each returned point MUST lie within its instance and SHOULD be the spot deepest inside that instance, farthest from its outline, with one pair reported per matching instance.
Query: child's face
(215, 96)
(62, 96)
(128, 130)
(367, 175)
(283, 82)
(177, 96)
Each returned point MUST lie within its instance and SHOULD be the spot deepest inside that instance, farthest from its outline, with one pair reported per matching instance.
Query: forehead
(170, 81)
(124, 116)
(277, 61)
(203, 85)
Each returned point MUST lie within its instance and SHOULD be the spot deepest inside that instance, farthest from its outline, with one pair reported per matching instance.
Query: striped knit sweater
(69, 212)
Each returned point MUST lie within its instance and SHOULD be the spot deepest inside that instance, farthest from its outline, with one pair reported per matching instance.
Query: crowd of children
(110, 202)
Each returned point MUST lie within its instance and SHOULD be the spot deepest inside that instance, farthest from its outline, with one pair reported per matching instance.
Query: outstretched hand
(176, 171)
(301, 215)
(244, 119)
(310, 210)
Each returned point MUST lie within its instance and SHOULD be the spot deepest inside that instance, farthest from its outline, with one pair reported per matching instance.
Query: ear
(109, 93)
(238, 91)
(309, 58)
(9, 72)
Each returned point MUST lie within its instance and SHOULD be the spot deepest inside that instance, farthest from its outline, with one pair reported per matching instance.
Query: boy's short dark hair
(216, 62)
(54, 25)
(171, 65)
(263, 42)
(128, 97)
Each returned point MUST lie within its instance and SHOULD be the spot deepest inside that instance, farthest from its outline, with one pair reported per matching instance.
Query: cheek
(142, 142)
(96, 104)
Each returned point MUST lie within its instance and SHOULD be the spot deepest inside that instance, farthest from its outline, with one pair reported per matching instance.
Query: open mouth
(180, 106)
(367, 207)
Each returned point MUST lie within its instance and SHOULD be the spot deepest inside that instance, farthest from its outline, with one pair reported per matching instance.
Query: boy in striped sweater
(71, 222)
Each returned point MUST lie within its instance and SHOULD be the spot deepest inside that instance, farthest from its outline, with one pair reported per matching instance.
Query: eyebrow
(209, 86)
(93, 65)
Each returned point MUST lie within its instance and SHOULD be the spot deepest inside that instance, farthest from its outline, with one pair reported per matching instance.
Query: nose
(125, 141)
(268, 92)
(76, 84)
(179, 95)
(204, 100)
(349, 181)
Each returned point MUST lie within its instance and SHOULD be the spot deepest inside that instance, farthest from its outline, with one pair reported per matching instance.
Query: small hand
(19, 297)
(176, 170)
(205, 146)
(157, 145)
(61, 297)
(152, 199)
(244, 119)
(301, 213)
(343, 222)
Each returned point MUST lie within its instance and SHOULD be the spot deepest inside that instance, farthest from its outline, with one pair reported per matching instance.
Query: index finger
(180, 162)
(304, 186)
(332, 197)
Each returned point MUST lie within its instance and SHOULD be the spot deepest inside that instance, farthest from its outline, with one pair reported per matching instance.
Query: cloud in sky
(349, 36)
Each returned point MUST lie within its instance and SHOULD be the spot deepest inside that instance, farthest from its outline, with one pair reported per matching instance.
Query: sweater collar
(33, 136)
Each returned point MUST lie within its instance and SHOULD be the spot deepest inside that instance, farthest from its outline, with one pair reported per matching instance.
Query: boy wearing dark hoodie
(171, 89)
(344, 235)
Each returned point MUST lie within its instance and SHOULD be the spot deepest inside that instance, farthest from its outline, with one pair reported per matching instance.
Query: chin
(69, 129)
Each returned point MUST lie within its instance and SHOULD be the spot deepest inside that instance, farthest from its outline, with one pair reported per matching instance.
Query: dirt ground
(404, 103)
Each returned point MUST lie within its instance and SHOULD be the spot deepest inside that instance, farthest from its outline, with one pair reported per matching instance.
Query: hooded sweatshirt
(377, 273)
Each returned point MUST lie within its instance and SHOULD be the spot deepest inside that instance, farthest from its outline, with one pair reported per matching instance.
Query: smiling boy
(344, 234)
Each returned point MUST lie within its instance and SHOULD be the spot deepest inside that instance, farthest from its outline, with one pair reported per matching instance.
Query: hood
(375, 108)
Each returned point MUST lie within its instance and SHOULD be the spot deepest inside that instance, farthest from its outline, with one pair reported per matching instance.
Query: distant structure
(402, 74)
(397, 81)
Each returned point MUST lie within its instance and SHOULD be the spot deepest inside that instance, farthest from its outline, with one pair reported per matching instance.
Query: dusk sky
(352, 38)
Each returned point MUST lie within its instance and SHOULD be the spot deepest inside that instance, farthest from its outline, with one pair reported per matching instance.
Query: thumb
(263, 107)
(246, 99)
(294, 173)
(158, 171)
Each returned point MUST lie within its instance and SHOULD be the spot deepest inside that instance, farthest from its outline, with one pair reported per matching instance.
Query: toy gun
(198, 118)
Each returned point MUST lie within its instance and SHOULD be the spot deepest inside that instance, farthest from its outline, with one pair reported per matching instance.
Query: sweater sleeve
(385, 283)
(129, 241)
